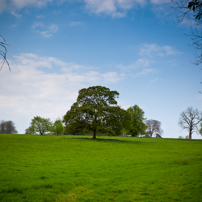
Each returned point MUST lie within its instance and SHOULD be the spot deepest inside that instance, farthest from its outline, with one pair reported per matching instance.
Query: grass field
(76, 168)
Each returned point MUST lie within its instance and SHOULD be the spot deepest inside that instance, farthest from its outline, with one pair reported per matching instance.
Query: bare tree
(153, 127)
(192, 10)
(190, 119)
(7, 127)
(3, 52)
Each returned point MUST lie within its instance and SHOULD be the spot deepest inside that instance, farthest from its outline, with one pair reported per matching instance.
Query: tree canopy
(40, 125)
(57, 127)
(7, 127)
(136, 126)
(96, 111)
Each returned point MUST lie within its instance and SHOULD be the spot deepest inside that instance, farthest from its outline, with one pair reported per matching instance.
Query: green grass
(74, 168)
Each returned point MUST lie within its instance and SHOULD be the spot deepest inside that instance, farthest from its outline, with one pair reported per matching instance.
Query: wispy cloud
(45, 30)
(140, 63)
(34, 87)
(115, 8)
(156, 50)
(24, 3)
(156, 80)
(119, 8)
(139, 68)
(15, 14)
(75, 23)
(20, 4)
(160, 1)
(145, 72)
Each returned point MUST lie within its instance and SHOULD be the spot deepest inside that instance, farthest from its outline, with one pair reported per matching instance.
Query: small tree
(136, 126)
(40, 125)
(57, 127)
(96, 111)
(27, 131)
(7, 127)
(190, 119)
(153, 127)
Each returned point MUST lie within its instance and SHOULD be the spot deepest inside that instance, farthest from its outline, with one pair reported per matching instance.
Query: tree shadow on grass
(110, 140)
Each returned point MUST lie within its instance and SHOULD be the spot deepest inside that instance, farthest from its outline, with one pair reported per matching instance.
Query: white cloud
(115, 8)
(156, 50)
(24, 3)
(45, 30)
(118, 8)
(15, 14)
(44, 86)
(75, 23)
(160, 1)
(156, 80)
(145, 72)
(140, 63)
(13, 5)
(138, 68)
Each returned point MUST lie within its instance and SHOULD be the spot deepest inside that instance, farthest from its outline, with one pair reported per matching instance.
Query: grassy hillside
(73, 168)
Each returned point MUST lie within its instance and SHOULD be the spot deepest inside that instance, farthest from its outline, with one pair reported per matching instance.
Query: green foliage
(71, 168)
(136, 126)
(27, 131)
(57, 127)
(40, 125)
(7, 127)
(96, 111)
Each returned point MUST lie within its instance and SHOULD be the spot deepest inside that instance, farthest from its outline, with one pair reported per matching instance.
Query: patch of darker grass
(48, 186)
(12, 190)
(43, 177)
(110, 140)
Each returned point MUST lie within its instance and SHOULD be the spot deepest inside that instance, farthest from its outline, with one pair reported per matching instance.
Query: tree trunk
(190, 132)
(94, 134)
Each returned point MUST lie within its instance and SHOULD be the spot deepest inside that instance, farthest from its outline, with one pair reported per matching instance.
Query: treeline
(96, 112)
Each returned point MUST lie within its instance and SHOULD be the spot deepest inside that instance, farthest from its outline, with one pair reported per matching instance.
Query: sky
(136, 47)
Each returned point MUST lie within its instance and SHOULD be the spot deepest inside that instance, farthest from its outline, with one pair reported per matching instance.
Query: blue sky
(136, 47)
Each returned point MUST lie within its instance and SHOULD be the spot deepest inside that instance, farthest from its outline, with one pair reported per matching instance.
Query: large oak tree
(96, 111)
